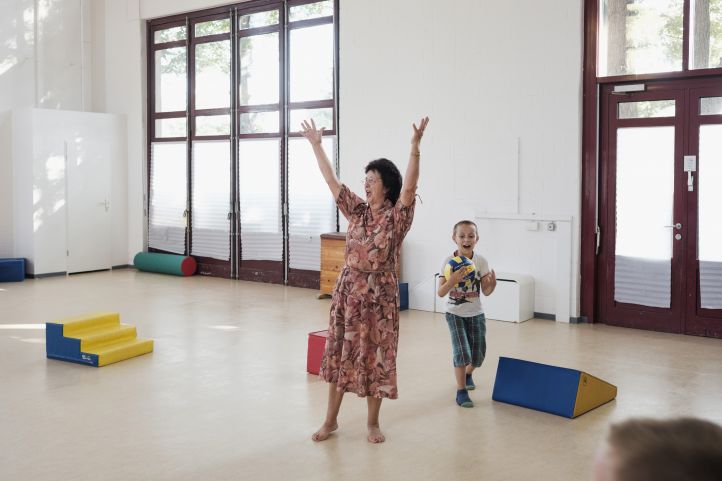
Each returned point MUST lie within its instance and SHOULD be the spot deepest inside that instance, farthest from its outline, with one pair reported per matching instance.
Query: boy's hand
(459, 274)
(488, 282)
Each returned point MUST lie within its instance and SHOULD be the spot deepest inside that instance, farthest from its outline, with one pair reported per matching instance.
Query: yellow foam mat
(103, 339)
(95, 337)
(96, 320)
(119, 351)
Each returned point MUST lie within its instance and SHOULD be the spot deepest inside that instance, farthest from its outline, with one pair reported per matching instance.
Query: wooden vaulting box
(333, 246)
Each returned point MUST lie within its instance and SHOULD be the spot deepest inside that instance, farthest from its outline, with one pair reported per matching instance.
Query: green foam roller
(165, 263)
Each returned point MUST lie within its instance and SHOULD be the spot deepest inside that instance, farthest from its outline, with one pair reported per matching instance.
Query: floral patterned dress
(360, 354)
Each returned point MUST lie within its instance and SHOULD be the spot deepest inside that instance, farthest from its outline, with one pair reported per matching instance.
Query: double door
(660, 239)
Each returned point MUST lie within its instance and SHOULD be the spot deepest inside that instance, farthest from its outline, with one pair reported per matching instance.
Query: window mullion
(686, 30)
(284, 45)
(235, 204)
(190, 73)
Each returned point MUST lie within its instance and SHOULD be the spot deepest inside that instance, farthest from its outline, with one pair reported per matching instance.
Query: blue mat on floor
(12, 270)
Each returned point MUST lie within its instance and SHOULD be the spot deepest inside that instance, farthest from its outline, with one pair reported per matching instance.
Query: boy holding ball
(465, 276)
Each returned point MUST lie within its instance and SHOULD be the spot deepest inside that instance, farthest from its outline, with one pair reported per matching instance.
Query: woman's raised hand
(311, 133)
(419, 131)
(314, 137)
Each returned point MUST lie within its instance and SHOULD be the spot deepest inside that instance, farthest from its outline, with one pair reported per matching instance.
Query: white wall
(17, 53)
(162, 8)
(23, 244)
(120, 89)
(17, 74)
(501, 82)
(42, 56)
(6, 186)
(59, 54)
(47, 54)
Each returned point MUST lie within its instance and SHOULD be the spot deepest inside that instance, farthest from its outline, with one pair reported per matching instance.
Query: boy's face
(465, 238)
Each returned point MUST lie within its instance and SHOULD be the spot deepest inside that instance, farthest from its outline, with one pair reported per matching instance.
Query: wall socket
(551, 226)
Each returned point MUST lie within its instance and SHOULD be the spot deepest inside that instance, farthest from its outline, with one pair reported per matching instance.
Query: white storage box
(512, 300)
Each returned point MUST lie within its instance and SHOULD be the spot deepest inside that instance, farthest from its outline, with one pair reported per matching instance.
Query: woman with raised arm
(360, 354)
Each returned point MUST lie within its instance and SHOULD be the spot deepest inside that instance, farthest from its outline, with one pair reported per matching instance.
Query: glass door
(644, 214)
(660, 261)
(704, 256)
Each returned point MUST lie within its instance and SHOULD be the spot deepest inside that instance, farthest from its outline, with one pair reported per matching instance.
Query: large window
(231, 180)
(658, 36)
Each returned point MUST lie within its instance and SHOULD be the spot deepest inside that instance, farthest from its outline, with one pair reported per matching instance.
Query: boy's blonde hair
(684, 449)
(466, 222)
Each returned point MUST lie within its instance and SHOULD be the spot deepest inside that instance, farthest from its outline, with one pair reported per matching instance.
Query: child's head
(465, 235)
(684, 449)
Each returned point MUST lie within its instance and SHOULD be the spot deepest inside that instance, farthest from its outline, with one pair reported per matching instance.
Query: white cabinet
(512, 300)
(64, 210)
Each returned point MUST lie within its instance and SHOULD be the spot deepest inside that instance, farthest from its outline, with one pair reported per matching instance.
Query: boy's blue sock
(463, 399)
(470, 383)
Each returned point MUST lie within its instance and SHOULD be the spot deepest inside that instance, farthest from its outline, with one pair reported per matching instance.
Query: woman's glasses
(369, 181)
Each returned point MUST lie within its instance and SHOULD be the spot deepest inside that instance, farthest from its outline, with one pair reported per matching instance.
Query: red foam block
(316, 346)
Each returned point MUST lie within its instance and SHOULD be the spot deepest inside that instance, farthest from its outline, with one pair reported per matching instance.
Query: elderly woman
(360, 354)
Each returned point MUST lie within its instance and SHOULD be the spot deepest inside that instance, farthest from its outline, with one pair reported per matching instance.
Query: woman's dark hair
(390, 176)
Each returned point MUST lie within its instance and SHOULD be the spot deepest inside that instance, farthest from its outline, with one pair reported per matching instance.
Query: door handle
(105, 204)
(677, 226)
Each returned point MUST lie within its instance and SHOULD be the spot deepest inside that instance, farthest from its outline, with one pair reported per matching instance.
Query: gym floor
(225, 394)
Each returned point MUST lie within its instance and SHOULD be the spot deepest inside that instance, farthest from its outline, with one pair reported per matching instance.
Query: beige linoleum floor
(225, 395)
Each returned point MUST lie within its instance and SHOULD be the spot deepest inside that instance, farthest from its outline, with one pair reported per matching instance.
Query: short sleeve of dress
(347, 201)
(403, 217)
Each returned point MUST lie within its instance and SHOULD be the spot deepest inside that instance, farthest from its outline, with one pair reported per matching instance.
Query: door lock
(678, 236)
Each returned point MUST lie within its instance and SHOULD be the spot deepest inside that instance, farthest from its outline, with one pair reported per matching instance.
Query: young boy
(464, 313)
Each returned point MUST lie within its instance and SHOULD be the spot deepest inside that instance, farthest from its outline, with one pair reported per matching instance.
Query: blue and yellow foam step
(94, 339)
(552, 389)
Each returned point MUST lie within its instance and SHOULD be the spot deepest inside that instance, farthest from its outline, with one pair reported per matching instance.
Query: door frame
(685, 315)
(590, 188)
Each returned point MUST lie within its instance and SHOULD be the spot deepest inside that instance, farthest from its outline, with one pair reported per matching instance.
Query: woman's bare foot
(375, 435)
(325, 431)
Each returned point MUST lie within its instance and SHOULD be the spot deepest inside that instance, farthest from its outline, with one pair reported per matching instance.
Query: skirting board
(552, 317)
(47, 274)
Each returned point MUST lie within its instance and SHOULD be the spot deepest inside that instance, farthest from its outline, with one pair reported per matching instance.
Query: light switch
(690, 163)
